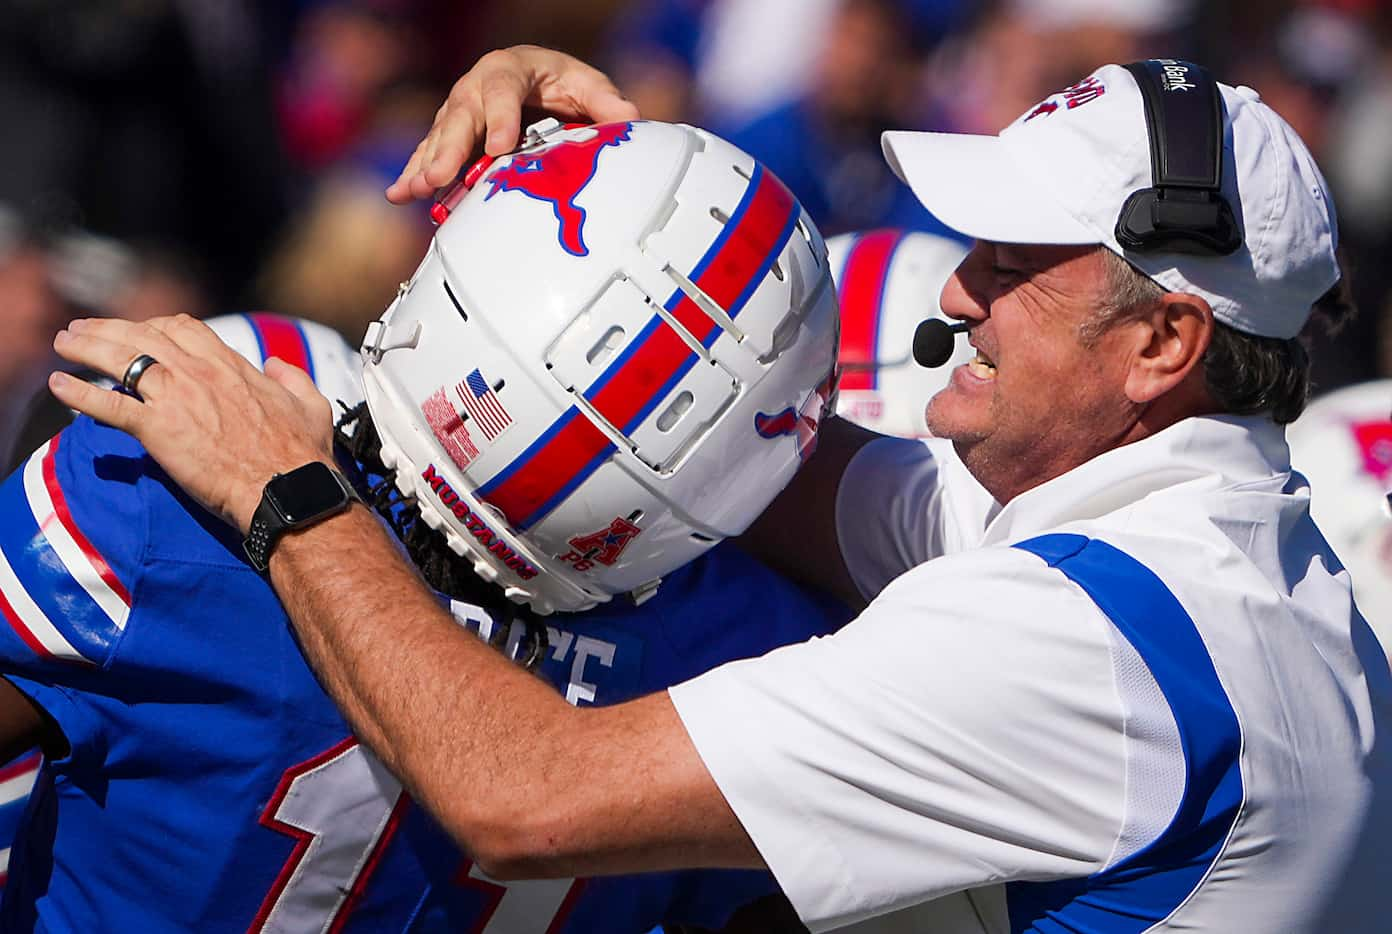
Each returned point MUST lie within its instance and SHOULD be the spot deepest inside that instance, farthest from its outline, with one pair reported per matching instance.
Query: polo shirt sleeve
(965, 730)
(902, 502)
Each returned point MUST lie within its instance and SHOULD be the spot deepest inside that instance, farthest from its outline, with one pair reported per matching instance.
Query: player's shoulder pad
(73, 529)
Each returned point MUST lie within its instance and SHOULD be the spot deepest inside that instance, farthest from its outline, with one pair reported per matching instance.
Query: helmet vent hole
(604, 348)
(739, 170)
(498, 386)
(777, 271)
(635, 516)
(454, 301)
(720, 215)
(703, 539)
(669, 418)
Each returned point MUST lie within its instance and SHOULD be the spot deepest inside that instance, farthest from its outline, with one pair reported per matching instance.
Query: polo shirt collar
(1196, 454)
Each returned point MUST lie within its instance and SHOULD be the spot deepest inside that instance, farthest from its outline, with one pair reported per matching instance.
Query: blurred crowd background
(210, 156)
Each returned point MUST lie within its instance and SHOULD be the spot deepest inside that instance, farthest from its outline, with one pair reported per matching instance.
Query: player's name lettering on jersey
(588, 656)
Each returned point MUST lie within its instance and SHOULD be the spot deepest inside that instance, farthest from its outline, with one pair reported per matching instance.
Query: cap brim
(975, 186)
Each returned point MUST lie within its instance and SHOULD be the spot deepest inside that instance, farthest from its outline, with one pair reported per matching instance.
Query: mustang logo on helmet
(801, 424)
(775, 426)
(558, 174)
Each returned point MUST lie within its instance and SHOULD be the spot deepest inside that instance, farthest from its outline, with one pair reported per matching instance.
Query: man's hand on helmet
(485, 106)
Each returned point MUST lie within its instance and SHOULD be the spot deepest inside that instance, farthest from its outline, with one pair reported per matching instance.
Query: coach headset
(1183, 211)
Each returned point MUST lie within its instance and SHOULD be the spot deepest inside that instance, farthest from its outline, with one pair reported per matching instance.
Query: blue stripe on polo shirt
(1148, 886)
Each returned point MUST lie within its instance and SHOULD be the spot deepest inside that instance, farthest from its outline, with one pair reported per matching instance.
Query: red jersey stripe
(60, 508)
(25, 634)
(21, 766)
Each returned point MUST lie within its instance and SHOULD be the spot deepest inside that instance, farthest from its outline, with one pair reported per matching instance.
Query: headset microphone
(933, 341)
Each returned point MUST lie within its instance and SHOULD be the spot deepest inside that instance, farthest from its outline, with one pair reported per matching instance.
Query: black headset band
(1184, 209)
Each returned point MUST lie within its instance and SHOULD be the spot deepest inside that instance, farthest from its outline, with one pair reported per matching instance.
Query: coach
(1111, 677)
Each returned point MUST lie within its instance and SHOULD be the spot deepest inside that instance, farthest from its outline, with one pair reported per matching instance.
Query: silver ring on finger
(137, 369)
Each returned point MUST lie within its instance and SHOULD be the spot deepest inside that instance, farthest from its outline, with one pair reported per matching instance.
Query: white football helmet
(888, 282)
(617, 350)
(1342, 444)
(318, 350)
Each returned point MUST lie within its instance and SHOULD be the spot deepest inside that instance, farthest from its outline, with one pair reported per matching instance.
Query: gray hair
(1246, 374)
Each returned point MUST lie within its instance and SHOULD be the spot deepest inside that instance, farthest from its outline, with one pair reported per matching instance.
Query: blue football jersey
(16, 781)
(212, 786)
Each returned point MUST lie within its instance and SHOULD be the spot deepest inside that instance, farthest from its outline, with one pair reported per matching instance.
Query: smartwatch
(291, 501)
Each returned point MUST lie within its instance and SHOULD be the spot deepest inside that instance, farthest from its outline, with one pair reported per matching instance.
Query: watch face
(305, 492)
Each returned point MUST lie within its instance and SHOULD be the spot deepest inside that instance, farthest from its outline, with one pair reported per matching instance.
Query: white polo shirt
(1136, 698)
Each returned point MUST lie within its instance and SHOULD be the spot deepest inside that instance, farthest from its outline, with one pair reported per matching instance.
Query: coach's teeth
(981, 367)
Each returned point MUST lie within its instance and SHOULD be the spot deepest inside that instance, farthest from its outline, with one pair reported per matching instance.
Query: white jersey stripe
(17, 787)
(43, 635)
(75, 560)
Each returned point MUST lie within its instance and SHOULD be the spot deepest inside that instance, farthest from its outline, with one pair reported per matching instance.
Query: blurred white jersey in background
(1343, 446)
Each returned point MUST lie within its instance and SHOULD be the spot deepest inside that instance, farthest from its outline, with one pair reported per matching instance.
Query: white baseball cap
(1061, 172)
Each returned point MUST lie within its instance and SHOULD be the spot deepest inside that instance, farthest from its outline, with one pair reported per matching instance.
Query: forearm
(23, 726)
(525, 782)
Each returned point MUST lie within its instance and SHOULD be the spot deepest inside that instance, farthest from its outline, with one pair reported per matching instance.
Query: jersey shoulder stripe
(1145, 888)
(58, 592)
(17, 777)
(49, 506)
(16, 782)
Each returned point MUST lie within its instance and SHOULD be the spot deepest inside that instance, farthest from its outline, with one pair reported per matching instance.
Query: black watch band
(294, 500)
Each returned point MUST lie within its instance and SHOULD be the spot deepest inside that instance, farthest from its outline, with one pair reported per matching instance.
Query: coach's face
(1038, 400)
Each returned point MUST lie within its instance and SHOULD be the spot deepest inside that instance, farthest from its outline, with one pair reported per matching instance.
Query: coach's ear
(1168, 344)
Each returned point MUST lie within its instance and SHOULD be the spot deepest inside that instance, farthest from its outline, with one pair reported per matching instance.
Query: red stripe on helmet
(862, 295)
(570, 450)
(282, 339)
(729, 273)
(642, 376)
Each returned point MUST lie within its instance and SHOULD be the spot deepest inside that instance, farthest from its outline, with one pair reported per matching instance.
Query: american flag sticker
(482, 404)
(449, 429)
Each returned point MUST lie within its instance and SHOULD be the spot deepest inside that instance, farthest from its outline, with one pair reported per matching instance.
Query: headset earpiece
(1184, 209)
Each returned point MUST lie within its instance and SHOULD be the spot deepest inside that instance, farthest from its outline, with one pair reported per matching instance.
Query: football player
(667, 381)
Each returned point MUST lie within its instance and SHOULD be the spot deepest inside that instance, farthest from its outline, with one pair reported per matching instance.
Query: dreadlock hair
(1246, 374)
(449, 573)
